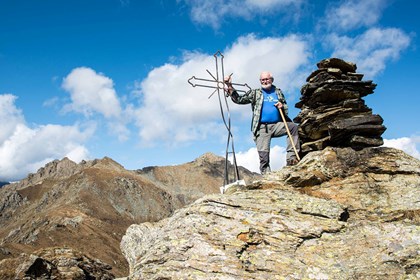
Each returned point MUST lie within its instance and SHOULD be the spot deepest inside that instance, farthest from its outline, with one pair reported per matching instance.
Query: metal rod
(288, 133)
(218, 84)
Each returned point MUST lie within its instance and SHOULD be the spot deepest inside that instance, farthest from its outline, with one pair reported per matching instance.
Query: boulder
(54, 263)
(337, 63)
(337, 214)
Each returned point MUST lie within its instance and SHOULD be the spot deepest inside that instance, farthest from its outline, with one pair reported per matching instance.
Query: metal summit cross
(217, 83)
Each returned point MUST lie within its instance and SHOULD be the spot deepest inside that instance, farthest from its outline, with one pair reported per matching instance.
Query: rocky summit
(349, 209)
(338, 214)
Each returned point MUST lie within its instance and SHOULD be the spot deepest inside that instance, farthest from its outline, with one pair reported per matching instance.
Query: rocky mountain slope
(84, 210)
(338, 214)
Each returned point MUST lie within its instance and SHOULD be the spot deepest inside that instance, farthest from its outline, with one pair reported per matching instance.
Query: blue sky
(88, 79)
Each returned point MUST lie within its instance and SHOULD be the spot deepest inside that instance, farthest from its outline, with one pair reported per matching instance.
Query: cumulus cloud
(91, 92)
(23, 149)
(213, 12)
(175, 112)
(351, 14)
(250, 160)
(371, 50)
(284, 57)
(10, 116)
(407, 144)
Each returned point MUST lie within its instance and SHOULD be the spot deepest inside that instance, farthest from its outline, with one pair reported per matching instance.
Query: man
(266, 120)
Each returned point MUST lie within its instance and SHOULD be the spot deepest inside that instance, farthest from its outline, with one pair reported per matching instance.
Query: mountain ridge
(88, 206)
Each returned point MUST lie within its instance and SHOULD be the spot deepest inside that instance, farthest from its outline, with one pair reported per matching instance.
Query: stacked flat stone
(333, 112)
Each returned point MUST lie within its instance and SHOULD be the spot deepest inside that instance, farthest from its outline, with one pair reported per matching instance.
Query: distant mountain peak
(55, 169)
(209, 158)
(106, 162)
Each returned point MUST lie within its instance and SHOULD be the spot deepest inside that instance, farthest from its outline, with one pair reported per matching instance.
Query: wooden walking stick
(288, 132)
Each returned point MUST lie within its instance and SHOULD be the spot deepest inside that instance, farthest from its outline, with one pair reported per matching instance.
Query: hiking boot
(265, 170)
(291, 162)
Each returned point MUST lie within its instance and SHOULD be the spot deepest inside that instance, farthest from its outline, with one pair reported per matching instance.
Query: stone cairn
(333, 112)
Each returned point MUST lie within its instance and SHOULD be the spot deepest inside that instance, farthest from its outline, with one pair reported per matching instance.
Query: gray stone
(337, 63)
(337, 214)
(331, 107)
(54, 263)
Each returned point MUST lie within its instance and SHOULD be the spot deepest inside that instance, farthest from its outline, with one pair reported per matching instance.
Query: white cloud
(370, 50)
(268, 4)
(407, 144)
(10, 116)
(172, 111)
(284, 57)
(213, 12)
(24, 149)
(91, 92)
(351, 14)
(250, 160)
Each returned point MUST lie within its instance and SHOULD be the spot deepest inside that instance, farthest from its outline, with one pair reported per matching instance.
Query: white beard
(266, 87)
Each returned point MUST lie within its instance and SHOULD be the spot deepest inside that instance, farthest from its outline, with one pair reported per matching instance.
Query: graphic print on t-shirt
(270, 113)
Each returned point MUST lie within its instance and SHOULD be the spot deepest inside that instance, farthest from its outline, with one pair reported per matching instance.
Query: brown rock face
(338, 214)
(88, 206)
(333, 112)
(193, 180)
(54, 263)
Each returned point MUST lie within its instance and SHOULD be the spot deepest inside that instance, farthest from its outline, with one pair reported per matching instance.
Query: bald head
(265, 74)
(266, 80)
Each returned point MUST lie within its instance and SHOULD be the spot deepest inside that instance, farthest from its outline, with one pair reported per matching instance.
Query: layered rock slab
(237, 236)
(338, 214)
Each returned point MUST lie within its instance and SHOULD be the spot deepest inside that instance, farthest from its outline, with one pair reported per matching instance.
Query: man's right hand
(278, 105)
(228, 82)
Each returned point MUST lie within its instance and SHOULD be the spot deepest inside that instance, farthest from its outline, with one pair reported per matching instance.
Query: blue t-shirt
(269, 112)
